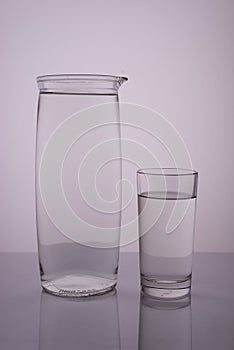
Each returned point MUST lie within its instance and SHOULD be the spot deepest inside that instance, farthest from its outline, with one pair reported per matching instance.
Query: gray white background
(179, 57)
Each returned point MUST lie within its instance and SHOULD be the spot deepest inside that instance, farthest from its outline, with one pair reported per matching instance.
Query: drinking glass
(167, 209)
(78, 183)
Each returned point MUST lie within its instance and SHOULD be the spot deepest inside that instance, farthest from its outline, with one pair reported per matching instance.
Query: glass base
(164, 289)
(78, 285)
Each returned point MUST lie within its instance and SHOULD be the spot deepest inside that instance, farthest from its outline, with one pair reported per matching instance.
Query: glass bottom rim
(78, 286)
(162, 288)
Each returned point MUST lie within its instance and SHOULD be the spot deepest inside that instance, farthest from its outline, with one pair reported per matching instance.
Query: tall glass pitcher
(78, 183)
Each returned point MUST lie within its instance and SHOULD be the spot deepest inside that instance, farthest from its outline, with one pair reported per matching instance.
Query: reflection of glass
(78, 183)
(165, 324)
(167, 208)
(69, 323)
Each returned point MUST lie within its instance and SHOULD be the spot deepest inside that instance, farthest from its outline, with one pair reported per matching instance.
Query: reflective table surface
(122, 319)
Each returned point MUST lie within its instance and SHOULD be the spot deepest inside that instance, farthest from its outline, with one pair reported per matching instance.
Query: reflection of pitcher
(165, 325)
(67, 323)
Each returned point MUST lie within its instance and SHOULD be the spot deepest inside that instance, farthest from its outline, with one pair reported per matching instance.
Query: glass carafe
(78, 183)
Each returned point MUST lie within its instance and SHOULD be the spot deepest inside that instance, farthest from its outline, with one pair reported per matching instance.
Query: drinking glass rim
(171, 171)
(79, 77)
